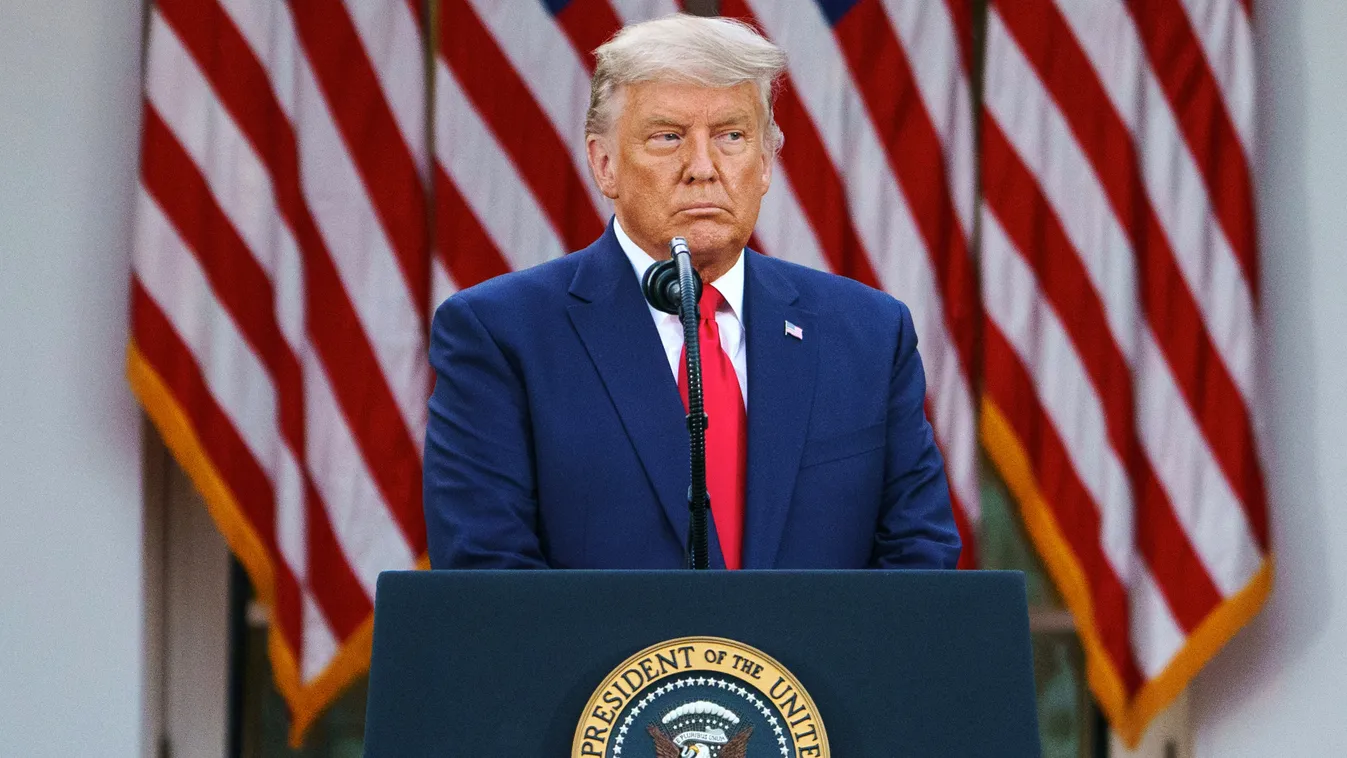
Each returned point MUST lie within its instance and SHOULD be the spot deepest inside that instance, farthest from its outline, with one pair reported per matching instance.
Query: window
(1066, 712)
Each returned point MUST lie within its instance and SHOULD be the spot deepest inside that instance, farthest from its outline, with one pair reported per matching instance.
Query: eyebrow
(655, 121)
(734, 119)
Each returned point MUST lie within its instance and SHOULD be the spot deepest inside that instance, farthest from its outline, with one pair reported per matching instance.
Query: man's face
(686, 160)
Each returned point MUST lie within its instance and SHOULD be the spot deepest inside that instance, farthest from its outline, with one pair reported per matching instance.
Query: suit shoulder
(838, 292)
(534, 288)
(550, 277)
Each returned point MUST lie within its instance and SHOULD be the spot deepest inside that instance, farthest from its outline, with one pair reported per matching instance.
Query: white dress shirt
(729, 318)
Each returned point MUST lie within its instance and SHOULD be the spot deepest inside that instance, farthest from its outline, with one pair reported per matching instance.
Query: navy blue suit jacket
(557, 435)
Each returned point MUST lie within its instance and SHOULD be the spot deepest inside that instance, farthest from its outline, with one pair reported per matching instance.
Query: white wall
(1281, 688)
(70, 490)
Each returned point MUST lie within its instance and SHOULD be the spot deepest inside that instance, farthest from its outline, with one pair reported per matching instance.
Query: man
(557, 433)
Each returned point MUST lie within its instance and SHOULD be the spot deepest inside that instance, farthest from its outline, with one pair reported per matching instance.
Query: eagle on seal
(737, 747)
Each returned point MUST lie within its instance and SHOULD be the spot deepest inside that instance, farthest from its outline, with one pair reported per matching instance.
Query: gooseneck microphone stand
(673, 286)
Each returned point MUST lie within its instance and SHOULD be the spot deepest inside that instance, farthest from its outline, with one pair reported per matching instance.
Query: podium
(528, 664)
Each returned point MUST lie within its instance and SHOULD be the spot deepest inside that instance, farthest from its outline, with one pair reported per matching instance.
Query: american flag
(280, 301)
(1120, 286)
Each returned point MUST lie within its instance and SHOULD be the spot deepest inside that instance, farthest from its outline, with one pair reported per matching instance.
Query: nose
(701, 165)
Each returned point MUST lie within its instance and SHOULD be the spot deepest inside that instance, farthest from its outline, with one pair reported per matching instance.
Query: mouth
(702, 209)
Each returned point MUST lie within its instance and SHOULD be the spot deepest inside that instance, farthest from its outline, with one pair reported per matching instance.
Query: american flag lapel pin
(794, 331)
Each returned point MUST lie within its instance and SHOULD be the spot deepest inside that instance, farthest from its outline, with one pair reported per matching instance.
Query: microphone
(674, 286)
(661, 283)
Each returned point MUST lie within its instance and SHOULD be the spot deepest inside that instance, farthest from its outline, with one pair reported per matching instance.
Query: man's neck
(710, 265)
(711, 270)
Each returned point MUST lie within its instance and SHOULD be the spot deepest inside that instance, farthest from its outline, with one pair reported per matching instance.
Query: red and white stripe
(1119, 272)
(282, 283)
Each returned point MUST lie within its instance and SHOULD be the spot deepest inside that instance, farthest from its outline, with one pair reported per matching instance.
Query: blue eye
(735, 135)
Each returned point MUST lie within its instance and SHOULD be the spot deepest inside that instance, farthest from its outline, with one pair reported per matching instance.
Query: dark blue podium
(507, 664)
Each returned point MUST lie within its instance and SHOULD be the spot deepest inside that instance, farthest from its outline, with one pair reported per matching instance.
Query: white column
(1278, 689)
(70, 488)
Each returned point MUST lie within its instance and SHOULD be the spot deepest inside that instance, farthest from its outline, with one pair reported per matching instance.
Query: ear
(768, 161)
(602, 164)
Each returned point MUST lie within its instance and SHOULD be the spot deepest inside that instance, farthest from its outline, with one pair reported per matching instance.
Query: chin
(710, 236)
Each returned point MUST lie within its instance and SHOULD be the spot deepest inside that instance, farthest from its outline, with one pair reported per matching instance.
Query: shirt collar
(730, 284)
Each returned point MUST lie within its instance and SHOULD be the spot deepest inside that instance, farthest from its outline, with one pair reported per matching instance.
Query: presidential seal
(700, 697)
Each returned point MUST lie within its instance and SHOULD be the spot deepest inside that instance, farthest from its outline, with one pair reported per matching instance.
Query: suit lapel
(614, 324)
(781, 371)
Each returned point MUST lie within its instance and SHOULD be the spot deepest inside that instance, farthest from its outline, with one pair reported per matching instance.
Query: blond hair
(711, 52)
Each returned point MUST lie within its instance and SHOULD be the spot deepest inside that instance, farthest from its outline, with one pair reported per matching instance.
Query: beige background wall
(1279, 689)
(70, 491)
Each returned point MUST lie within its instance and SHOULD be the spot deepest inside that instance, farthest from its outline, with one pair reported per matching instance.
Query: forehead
(687, 102)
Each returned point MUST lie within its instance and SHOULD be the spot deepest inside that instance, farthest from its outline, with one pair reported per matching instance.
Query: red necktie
(726, 430)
